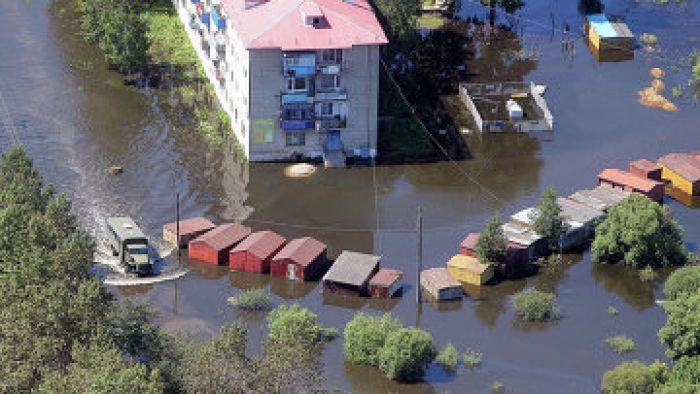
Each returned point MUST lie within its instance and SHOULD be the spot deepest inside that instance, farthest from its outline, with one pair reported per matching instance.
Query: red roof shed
(255, 253)
(645, 169)
(213, 247)
(632, 183)
(189, 229)
(386, 283)
(301, 259)
(468, 246)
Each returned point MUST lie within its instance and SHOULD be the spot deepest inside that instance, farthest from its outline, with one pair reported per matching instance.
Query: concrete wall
(361, 78)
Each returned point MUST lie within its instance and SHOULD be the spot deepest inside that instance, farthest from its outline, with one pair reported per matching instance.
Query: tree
(683, 281)
(492, 244)
(294, 324)
(686, 370)
(509, 6)
(639, 232)
(365, 336)
(634, 377)
(534, 305)
(547, 217)
(400, 16)
(406, 354)
(682, 329)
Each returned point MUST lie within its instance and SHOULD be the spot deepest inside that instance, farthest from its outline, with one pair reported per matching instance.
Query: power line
(7, 121)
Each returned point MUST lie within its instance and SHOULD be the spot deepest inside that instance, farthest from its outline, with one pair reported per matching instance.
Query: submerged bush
(647, 274)
(294, 324)
(621, 344)
(365, 336)
(612, 311)
(472, 358)
(448, 358)
(534, 305)
(252, 300)
(649, 39)
(634, 377)
(682, 281)
(406, 354)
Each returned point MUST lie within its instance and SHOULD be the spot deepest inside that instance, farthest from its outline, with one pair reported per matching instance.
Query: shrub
(472, 358)
(677, 91)
(612, 311)
(682, 329)
(534, 305)
(649, 39)
(621, 344)
(448, 358)
(496, 387)
(492, 243)
(641, 233)
(682, 281)
(647, 274)
(634, 377)
(686, 370)
(406, 354)
(365, 335)
(548, 220)
(252, 300)
(294, 324)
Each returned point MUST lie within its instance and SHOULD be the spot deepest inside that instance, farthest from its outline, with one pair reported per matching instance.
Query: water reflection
(366, 379)
(247, 280)
(625, 282)
(206, 270)
(291, 290)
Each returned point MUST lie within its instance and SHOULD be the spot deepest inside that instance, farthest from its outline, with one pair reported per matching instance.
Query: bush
(621, 344)
(686, 370)
(406, 354)
(294, 324)
(634, 377)
(492, 243)
(448, 358)
(647, 274)
(252, 300)
(534, 305)
(496, 387)
(649, 39)
(682, 329)
(472, 358)
(682, 281)
(365, 336)
(612, 311)
(641, 233)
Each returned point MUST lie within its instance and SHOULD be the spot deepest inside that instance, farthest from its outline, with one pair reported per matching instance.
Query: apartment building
(299, 78)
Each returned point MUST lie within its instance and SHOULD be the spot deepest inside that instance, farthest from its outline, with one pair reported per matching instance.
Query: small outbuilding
(604, 33)
(624, 180)
(255, 253)
(469, 270)
(213, 246)
(440, 284)
(386, 283)
(468, 245)
(350, 273)
(189, 229)
(525, 237)
(581, 222)
(301, 259)
(517, 256)
(645, 169)
(682, 171)
(602, 197)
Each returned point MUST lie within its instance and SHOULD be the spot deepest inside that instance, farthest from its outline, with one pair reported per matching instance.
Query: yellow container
(679, 182)
(469, 270)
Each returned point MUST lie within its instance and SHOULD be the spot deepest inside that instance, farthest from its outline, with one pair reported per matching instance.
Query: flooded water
(76, 119)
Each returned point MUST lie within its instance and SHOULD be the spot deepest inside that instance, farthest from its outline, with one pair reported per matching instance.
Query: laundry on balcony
(217, 20)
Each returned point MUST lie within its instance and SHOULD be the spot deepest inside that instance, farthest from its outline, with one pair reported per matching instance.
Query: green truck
(129, 243)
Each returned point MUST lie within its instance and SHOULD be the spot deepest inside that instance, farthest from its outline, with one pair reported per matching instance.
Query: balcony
(331, 94)
(296, 97)
(335, 122)
(291, 125)
(301, 65)
(217, 20)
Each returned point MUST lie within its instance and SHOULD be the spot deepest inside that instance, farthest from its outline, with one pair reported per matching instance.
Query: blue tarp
(602, 26)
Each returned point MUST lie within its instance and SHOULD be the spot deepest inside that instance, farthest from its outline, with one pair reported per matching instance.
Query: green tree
(683, 281)
(639, 232)
(294, 324)
(406, 354)
(509, 6)
(681, 333)
(548, 221)
(365, 335)
(534, 305)
(634, 377)
(400, 16)
(492, 244)
(686, 370)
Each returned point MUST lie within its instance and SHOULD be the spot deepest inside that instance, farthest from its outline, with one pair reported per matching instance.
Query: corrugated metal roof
(685, 165)
(578, 213)
(644, 165)
(471, 264)
(223, 236)
(602, 197)
(440, 278)
(261, 244)
(520, 235)
(352, 268)
(385, 277)
(602, 26)
(191, 225)
(302, 251)
(625, 178)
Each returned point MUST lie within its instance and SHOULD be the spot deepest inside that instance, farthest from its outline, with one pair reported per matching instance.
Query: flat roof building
(626, 181)
(350, 273)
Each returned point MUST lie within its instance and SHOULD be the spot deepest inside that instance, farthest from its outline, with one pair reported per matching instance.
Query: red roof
(644, 165)
(625, 178)
(224, 236)
(302, 251)
(385, 277)
(261, 244)
(192, 225)
(470, 241)
(685, 165)
(280, 24)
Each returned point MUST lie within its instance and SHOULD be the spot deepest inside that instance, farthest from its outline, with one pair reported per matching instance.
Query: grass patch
(534, 305)
(431, 21)
(252, 300)
(612, 311)
(621, 344)
(647, 274)
(448, 358)
(472, 358)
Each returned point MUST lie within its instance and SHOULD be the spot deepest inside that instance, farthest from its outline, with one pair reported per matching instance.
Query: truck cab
(129, 244)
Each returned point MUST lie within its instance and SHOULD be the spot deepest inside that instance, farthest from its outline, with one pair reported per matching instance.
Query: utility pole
(177, 227)
(419, 255)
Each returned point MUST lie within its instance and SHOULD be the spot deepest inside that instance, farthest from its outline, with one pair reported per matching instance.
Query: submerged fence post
(419, 256)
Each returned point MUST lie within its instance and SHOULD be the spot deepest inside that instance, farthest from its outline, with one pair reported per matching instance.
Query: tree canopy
(406, 353)
(365, 336)
(681, 333)
(400, 16)
(639, 232)
(492, 244)
(548, 221)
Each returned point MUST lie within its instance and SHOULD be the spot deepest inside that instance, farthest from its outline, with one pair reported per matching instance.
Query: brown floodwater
(76, 119)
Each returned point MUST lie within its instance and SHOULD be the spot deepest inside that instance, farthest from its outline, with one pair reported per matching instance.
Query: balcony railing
(331, 93)
(300, 97)
(295, 124)
(336, 122)
(299, 64)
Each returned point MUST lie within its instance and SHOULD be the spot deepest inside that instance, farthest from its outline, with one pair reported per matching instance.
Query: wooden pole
(419, 254)
(177, 227)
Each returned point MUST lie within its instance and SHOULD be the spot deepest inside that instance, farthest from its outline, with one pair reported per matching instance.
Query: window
(296, 84)
(296, 138)
(326, 109)
(332, 55)
(329, 81)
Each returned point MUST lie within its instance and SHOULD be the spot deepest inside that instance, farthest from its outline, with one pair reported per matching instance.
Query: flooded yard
(76, 120)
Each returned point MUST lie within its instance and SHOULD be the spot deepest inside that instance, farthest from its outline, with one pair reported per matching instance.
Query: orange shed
(255, 252)
(645, 169)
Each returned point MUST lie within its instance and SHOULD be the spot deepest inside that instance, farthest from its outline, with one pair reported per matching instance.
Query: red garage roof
(385, 277)
(302, 251)
(192, 225)
(687, 166)
(281, 24)
(644, 164)
(625, 178)
(224, 236)
(470, 241)
(261, 244)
